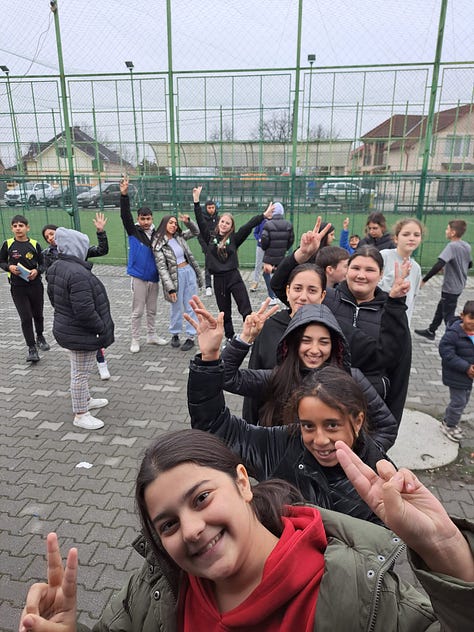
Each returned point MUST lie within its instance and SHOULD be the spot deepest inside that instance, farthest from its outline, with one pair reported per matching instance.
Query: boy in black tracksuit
(27, 292)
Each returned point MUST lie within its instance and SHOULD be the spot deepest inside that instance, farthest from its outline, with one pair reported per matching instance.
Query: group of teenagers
(257, 523)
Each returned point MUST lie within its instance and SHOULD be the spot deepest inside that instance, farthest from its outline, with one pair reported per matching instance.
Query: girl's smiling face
(321, 426)
(305, 288)
(408, 239)
(363, 275)
(171, 226)
(204, 519)
(226, 224)
(315, 346)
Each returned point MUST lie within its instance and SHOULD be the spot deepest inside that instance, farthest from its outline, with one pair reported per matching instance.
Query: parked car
(342, 190)
(62, 195)
(106, 193)
(28, 193)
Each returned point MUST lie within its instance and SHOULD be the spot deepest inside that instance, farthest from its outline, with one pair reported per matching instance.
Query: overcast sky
(98, 36)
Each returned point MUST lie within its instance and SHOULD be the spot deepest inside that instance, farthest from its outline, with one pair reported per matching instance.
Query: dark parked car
(106, 193)
(62, 195)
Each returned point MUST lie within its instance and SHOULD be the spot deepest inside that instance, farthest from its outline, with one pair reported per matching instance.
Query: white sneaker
(135, 346)
(103, 370)
(273, 301)
(155, 340)
(88, 422)
(97, 403)
(209, 291)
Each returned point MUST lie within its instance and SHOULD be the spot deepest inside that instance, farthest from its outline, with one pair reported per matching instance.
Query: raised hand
(184, 218)
(99, 222)
(310, 242)
(197, 194)
(345, 224)
(124, 185)
(269, 211)
(407, 507)
(254, 322)
(210, 330)
(401, 284)
(52, 607)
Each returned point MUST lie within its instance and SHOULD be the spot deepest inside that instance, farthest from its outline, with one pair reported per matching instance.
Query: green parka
(359, 591)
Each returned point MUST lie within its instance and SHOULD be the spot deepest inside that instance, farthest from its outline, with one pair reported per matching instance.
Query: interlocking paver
(43, 489)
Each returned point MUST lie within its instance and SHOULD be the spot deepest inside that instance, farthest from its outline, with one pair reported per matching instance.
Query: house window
(367, 155)
(457, 146)
(62, 152)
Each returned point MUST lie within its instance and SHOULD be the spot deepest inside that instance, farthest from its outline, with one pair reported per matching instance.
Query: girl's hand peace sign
(210, 330)
(254, 322)
(52, 607)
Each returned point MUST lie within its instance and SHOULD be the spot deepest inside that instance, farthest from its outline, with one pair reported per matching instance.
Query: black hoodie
(252, 383)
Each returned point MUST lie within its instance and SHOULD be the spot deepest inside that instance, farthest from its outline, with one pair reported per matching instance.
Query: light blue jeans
(187, 286)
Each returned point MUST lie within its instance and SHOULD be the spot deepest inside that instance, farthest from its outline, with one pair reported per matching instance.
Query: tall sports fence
(334, 142)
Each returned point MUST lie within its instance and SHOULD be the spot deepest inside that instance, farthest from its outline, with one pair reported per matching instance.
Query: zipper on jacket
(389, 562)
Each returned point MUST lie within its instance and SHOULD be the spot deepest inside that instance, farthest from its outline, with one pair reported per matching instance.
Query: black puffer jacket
(82, 320)
(276, 452)
(277, 238)
(381, 243)
(457, 355)
(253, 383)
(377, 332)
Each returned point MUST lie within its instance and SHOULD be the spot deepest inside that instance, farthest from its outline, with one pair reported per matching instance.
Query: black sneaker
(42, 344)
(175, 341)
(187, 345)
(32, 354)
(426, 333)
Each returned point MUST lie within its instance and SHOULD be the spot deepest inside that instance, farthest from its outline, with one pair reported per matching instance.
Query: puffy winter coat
(457, 355)
(276, 452)
(253, 383)
(277, 238)
(82, 319)
(358, 555)
(166, 259)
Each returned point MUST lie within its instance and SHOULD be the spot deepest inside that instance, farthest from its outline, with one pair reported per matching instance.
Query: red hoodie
(285, 599)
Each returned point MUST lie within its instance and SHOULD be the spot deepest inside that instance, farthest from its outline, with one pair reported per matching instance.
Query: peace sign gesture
(401, 284)
(311, 241)
(254, 322)
(52, 607)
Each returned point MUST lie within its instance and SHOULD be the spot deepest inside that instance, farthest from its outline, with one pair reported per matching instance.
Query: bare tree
(276, 128)
(319, 132)
(225, 134)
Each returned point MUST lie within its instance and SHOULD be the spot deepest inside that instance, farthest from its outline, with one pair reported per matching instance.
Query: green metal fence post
(171, 104)
(431, 110)
(296, 102)
(65, 108)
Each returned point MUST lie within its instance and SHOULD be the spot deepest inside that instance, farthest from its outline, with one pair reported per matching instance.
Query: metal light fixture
(311, 58)
(129, 65)
(5, 69)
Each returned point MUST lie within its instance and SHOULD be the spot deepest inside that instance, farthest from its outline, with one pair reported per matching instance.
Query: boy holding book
(21, 257)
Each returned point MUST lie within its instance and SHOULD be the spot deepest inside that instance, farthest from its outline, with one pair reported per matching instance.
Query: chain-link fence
(324, 141)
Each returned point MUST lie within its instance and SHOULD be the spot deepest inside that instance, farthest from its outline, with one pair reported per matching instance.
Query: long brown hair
(206, 450)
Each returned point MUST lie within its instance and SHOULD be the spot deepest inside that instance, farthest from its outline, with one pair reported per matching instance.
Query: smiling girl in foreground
(223, 555)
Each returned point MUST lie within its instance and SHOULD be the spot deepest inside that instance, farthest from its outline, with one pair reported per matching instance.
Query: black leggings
(29, 301)
(228, 285)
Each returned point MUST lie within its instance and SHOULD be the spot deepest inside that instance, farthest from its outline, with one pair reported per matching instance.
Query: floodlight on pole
(130, 66)
(5, 69)
(16, 135)
(311, 60)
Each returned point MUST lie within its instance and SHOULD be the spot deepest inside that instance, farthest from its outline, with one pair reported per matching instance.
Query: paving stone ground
(44, 489)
